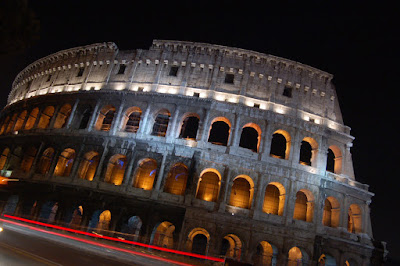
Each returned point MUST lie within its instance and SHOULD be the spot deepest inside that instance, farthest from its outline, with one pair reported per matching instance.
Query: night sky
(354, 42)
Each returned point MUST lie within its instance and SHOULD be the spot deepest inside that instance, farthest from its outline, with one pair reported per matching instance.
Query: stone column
(225, 186)
(72, 115)
(35, 160)
(96, 177)
(235, 138)
(127, 182)
(205, 127)
(94, 116)
(160, 175)
(77, 161)
(258, 197)
(117, 119)
(294, 153)
(144, 122)
(54, 117)
(265, 148)
(171, 131)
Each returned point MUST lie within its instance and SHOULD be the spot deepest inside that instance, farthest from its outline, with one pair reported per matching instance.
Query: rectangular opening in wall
(257, 105)
(48, 78)
(287, 91)
(140, 89)
(121, 69)
(196, 94)
(229, 78)
(173, 71)
(80, 73)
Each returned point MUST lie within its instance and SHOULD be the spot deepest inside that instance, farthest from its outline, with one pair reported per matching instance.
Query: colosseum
(203, 148)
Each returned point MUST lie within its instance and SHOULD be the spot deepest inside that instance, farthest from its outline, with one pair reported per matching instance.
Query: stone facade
(216, 150)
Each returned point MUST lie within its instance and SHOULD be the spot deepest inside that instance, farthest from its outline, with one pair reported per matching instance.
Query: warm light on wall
(219, 97)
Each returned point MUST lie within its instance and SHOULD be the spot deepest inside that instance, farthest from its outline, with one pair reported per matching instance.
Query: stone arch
(195, 241)
(177, 179)
(65, 162)
(133, 226)
(4, 125)
(11, 204)
(62, 116)
(88, 165)
(326, 260)
(209, 185)
(145, 174)
(131, 119)
(242, 192)
(48, 212)
(45, 117)
(74, 217)
(280, 144)
(45, 161)
(15, 158)
(3, 157)
(11, 123)
(105, 118)
(304, 206)
(20, 120)
(354, 221)
(334, 160)
(250, 137)
(33, 115)
(274, 198)
(266, 254)
(189, 126)
(297, 257)
(85, 117)
(231, 247)
(162, 235)
(308, 152)
(104, 222)
(161, 122)
(115, 169)
(219, 131)
(331, 213)
(28, 158)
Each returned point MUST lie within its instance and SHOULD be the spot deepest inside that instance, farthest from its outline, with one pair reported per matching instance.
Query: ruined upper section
(191, 69)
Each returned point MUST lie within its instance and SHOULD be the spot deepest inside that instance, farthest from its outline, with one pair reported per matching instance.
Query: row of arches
(219, 132)
(208, 186)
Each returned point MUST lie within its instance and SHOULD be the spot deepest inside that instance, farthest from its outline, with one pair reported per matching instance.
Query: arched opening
(219, 132)
(104, 222)
(265, 254)
(48, 212)
(62, 116)
(15, 159)
(132, 119)
(208, 186)
(105, 118)
(11, 205)
(176, 179)
(242, 192)
(75, 218)
(331, 212)
(4, 157)
(65, 162)
(32, 118)
(198, 240)
(132, 227)
(115, 169)
(20, 120)
(85, 118)
(295, 257)
(162, 235)
(354, 221)
(88, 166)
(334, 160)
(326, 260)
(45, 161)
(351, 262)
(160, 125)
(4, 125)
(274, 199)
(11, 123)
(189, 128)
(304, 206)
(308, 152)
(231, 247)
(29, 157)
(280, 145)
(45, 117)
(250, 137)
(145, 174)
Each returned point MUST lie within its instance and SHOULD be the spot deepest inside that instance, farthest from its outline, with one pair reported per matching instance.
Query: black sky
(355, 42)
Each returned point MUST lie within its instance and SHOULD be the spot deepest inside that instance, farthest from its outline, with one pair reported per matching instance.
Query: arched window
(4, 125)
(32, 118)
(280, 145)
(85, 118)
(15, 159)
(45, 161)
(104, 221)
(208, 187)
(88, 166)
(145, 174)
(28, 158)
(45, 117)
(198, 240)
(62, 116)
(295, 257)
(231, 247)
(189, 127)
(250, 137)
(4, 157)
(132, 119)
(65, 162)
(334, 160)
(308, 152)
(274, 199)
(354, 221)
(160, 125)
(11, 123)
(219, 132)
(242, 192)
(20, 120)
(105, 118)
(304, 206)
(115, 169)
(331, 212)
(162, 235)
(265, 254)
(176, 179)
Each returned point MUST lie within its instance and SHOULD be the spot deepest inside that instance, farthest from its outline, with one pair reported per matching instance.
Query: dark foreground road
(22, 246)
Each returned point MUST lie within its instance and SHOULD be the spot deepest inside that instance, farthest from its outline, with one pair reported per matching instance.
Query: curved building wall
(247, 150)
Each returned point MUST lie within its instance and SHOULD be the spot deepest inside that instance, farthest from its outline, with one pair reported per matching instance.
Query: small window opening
(80, 73)
(173, 71)
(287, 91)
(85, 118)
(189, 128)
(305, 153)
(229, 78)
(196, 94)
(330, 163)
(48, 78)
(121, 69)
(140, 89)
(256, 105)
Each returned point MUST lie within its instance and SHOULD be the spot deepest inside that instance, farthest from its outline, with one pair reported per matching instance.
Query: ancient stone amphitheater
(192, 146)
